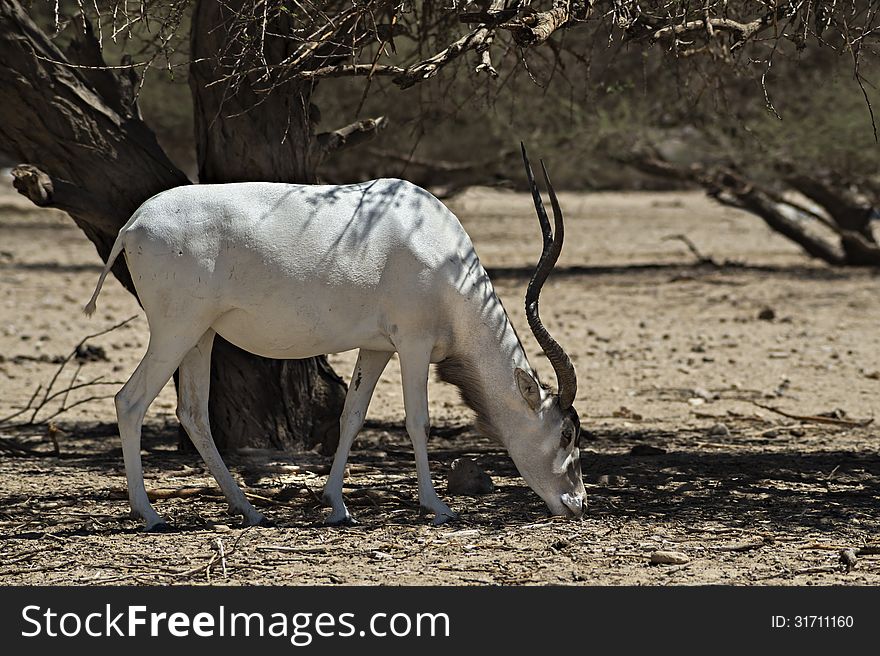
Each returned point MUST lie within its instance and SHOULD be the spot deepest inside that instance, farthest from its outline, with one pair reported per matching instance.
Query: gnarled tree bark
(90, 154)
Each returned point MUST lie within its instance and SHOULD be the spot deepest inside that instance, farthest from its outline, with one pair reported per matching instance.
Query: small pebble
(669, 558)
(849, 559)
(467, 478)
(767, 314)
(719, 430)
(702, 393)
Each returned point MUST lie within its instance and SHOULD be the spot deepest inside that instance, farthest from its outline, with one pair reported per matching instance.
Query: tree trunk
(245, 135)
(91, 155)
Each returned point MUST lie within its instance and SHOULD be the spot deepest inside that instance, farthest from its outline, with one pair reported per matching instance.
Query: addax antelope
(293, 271)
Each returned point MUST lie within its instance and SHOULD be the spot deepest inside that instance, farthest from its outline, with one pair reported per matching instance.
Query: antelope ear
(529, 389)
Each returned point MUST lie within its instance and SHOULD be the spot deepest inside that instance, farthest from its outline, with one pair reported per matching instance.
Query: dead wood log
(850, 210)
(849, 218)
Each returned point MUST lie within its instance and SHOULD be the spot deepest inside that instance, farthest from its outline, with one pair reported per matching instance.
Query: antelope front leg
(414, 364)
(369, 366)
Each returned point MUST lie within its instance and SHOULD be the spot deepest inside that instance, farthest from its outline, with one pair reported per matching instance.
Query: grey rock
(467, 478)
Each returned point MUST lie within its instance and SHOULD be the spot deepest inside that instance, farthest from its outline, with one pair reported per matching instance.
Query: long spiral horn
(566, 378)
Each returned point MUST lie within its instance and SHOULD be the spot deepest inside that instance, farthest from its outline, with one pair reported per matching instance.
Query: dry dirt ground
(666, 353)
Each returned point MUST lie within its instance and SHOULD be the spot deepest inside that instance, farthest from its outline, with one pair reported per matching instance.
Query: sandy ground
(673, 363)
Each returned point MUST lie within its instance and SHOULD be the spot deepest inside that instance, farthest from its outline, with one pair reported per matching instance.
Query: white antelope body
(293, 271)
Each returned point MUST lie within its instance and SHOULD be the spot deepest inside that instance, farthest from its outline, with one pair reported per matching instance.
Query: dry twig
(43, 396)
(818, 419)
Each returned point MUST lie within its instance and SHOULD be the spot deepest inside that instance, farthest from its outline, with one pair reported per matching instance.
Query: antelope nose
(575, 504)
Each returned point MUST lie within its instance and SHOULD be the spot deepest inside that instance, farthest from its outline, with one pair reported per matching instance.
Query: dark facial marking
(573, 471)
(576, 424)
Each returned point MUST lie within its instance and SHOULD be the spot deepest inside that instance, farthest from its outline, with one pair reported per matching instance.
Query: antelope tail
(89, 309)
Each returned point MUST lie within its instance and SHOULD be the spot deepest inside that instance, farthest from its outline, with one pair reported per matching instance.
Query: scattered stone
(783, 386)
(646, 450)
(767, 314)
(849, 559)
(719, 430)
(625, 413)
(467, 478)
(89, 353)
(669, 558)
(611, 480)
(288, 493)
(702, 393)
(873, 375)
(221, 528)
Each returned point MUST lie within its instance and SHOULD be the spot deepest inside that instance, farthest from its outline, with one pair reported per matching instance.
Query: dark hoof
(267, 523)
(161, 527)
(348, 520)
(443, 518)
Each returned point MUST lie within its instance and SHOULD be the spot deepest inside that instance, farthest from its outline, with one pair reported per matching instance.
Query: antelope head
(546, 449)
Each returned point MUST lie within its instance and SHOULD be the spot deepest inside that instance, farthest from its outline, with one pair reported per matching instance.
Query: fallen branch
(730, 188)
(818, 419)
(847, 215)
(194, 492)
(741, 546)
(299, 550)
(821, 569)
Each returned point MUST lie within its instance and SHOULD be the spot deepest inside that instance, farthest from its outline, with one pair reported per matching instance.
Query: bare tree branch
(350, 135)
